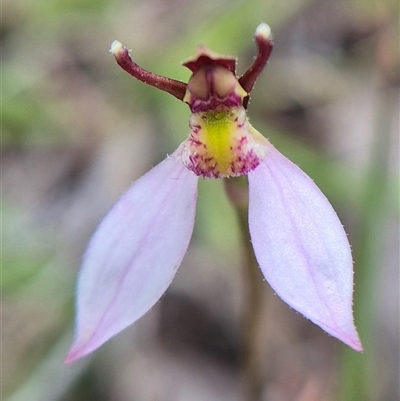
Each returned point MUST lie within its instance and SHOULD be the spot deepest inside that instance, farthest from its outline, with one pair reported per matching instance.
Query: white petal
(134, 254)
(301, 246)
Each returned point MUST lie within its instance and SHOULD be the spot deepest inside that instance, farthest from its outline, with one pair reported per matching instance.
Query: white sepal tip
(264, 31)
(116, 48)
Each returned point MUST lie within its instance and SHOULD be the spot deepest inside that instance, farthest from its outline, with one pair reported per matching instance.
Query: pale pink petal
(301, 246)
(134, 254)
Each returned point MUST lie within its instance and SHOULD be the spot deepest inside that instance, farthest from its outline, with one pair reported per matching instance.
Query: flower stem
(253, 348)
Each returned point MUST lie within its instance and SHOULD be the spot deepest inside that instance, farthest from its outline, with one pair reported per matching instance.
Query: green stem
(253, 350)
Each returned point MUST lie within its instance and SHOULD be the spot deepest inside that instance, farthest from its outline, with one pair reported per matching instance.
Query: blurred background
(77, 130)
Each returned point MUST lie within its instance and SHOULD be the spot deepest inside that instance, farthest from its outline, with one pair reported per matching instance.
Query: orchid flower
(298, 240)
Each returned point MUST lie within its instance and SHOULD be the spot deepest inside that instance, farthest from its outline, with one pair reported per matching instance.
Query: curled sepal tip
(264, 46)
(263, 31)
(169, 85)
(116, 48)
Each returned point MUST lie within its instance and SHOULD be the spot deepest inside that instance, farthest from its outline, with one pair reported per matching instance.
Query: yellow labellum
(217, 135)
(222, 144)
